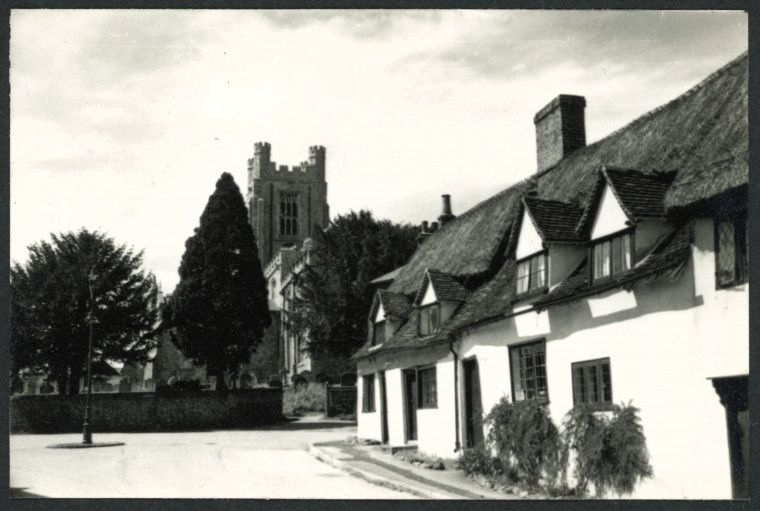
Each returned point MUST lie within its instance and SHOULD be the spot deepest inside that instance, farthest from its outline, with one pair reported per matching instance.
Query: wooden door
(410, 391)
(473, 407)
(383, 410)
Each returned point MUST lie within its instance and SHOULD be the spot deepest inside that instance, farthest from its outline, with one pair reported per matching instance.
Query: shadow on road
(311, 425)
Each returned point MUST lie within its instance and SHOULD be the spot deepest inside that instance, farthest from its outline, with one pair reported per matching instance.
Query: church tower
(285, 204)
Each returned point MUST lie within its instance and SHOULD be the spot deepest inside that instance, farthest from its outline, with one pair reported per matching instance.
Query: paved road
(263, 463)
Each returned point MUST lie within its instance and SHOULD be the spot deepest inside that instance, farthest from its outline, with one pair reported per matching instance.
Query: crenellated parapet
(261, 166)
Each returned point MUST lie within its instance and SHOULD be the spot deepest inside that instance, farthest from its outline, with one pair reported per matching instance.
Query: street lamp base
(86, 434)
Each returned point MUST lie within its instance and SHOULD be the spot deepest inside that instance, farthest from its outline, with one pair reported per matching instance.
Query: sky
(123, 120)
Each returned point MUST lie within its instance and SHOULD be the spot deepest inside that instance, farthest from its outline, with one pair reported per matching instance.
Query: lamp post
(86, 431)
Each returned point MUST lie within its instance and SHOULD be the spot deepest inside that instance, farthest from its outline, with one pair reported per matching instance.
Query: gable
(529, 242)
(380, 313)
(610, 217)
(429, 296)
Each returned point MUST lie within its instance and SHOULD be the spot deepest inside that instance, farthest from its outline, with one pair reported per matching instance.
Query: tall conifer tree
(219, 310)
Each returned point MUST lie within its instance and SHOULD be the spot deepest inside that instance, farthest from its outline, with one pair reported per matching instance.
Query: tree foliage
(219, 310)
(50, 306)
(334, 295)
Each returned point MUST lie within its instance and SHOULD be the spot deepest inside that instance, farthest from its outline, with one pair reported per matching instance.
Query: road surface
(272, 462)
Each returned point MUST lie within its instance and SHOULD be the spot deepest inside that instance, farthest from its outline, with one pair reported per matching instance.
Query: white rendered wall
(368, 423)
(723, 324)
(435, 426)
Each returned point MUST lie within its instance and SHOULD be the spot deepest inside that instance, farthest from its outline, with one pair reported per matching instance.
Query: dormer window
(430, 319)
(612, 255)
(378, 335)
(531, 274)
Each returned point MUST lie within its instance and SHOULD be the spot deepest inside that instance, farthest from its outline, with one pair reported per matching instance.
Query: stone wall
(147, 411)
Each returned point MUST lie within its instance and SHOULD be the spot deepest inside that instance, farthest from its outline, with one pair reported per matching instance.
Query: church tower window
(288, 214)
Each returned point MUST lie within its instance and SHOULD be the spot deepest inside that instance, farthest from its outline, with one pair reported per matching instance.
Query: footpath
(376, 464)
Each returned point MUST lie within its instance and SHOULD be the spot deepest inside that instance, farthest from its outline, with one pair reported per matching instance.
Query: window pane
(726, 253)
(424, 322)
(617, 255)
(434, 318)
(540, 280)
(523, 276)
(529, 371)
(626, 252)
(597, 261)
(605, 258)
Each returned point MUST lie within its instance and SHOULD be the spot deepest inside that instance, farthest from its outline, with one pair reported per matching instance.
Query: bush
(478, 461)
(304, 398)
(610, 453)
(526, 441)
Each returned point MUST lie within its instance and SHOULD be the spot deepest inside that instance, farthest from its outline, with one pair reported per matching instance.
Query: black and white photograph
(451, 254)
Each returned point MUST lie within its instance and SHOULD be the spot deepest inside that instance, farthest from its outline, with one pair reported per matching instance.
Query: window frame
(289, 219)
(427, 398)
(368, 393)
(598, 365)
(528, 260)
(513, 352)
(431, 329)
(740, 224)
(630, 232)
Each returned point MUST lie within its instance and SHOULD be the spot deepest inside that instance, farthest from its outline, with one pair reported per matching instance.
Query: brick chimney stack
(560, 130)
(446, 215)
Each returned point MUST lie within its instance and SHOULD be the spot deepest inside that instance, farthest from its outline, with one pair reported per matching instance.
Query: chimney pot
(446, 215)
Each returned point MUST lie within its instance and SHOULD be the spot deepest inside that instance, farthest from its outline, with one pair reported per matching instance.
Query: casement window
(430, 319)
(378, 335)
(612, 255)
(528, 362)
(288, 214)
(731, 253)
(427, 388)
(368, 393)
(592, 384)
(531, 273)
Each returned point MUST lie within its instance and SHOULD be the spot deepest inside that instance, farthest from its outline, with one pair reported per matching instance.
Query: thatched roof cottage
(625, 260)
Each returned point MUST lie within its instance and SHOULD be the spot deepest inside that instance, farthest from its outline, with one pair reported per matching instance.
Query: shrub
(478, 461)
(610, 453)
(526, 441)
(304, 398)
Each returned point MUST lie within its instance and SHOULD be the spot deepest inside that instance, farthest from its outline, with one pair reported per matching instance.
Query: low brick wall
(341, 401)
(147, 411)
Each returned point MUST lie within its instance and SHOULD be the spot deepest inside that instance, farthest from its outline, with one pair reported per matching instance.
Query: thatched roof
(468, 245)
(702, 135)
(684, 153)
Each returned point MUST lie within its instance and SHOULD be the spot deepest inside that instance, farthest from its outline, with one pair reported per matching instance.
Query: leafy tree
(50, 306)
(334, 295)
(219, 310)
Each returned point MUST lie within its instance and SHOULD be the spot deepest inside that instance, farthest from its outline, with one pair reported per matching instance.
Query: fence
(340, 401)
